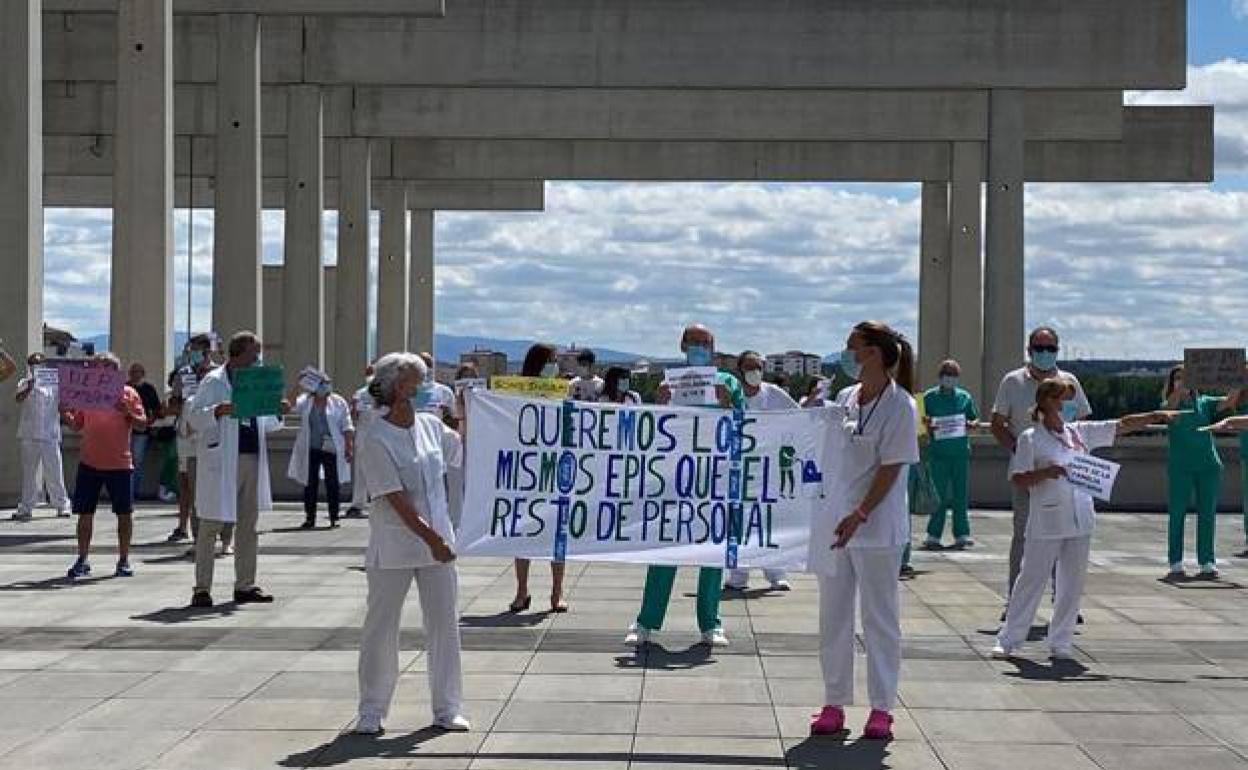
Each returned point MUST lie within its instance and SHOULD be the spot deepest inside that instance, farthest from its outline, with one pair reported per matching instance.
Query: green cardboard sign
(257, 391)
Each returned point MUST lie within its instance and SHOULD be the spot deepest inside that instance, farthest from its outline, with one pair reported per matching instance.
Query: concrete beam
(303, 314)
(21, 215)
(392, 269)
(966, 266)
(603, 113)
(934, 281)
(420, 293)
(1004, 269)
(272, 281)
(434, 8)
(1064, 44)
(346, 348)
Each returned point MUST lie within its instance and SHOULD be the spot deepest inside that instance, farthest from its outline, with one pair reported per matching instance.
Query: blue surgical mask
(948, 382)
(849, 364)
(422, 397)
(1070, 411)
(195, 357)
(323, 390)
(1044, 360)
(698, 355)
(550, 370)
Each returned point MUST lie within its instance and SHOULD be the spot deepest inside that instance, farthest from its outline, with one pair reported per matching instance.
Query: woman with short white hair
(404, 458)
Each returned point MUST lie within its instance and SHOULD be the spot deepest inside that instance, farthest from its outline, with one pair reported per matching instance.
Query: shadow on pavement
(835, 752)
(176, 615)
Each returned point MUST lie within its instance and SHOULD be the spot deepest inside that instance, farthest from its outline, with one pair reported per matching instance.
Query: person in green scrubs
(698, 345)
(1238, 401)
(1193, 467)
(949, 459)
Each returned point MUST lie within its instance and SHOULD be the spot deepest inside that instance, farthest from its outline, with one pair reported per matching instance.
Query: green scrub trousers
(659, 581)
(949, 474)
(1182, 483)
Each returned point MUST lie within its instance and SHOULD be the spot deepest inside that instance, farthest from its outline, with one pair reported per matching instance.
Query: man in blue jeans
(140, 435)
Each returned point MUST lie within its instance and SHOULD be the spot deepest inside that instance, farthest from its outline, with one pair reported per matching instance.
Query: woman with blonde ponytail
(856, 544)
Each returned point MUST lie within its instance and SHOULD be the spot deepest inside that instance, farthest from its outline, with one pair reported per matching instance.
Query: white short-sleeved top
(585, 388)
(414, 461)
(1016, 396)
(881, 432)
(768, 398)
(40, 419)
(1058, 509)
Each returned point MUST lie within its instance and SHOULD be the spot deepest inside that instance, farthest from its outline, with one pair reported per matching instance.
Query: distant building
(725, 361)
(489, 363)
(567, 359)
(794, 363)
(58, 343)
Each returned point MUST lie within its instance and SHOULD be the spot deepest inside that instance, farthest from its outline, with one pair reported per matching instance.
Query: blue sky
(1125, 271)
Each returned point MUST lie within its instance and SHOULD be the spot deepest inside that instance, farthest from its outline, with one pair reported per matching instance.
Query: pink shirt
(106, 434)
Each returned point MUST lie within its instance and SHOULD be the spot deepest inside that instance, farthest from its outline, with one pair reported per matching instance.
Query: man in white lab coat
(233, 474)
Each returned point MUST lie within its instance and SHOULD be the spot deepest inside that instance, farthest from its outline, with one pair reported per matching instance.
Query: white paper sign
(950, 427)
(190, 385)
(47, 377)
(471, 383)
(692, 385)
(643, 485)
(1092, 475)
(310, 379)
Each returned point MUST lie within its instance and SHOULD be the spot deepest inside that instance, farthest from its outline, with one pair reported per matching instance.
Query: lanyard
(862, 421)
(1075, 441)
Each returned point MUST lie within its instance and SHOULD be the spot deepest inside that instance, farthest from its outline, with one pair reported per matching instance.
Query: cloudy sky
(1126, 271)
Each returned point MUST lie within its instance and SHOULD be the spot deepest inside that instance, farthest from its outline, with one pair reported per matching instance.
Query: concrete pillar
(392, 270)
(1003, 269)
(966, 271)
(934, 286)
(21, 212)
(420, 293)
(351, 296)
(236, 248)
(303, 280)
(141, 311)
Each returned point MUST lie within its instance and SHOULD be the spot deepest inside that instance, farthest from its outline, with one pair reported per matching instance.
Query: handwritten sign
(310, 378)
(1092, 475)
(88, 385)
(190, 385)
(692, 385)
(531, 387)
(1214, 368)
(257, 391)
(47, 377)
(471, 383)
(950, 427)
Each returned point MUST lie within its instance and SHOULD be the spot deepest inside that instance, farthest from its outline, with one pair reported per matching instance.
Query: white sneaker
(715, 637)
(456, 724)
(781, 585)
(637, 635)
(368, 725)
(1001, 652)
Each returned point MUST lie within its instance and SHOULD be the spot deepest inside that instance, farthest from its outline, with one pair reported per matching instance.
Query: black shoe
(1079, 619)
(201, 599)
(354, 513)
(907, 570)
(252, 596)
(333, 522)
(308, 524)
(177, 536)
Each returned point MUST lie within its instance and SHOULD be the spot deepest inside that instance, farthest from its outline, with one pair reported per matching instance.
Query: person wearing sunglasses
(1011, 415)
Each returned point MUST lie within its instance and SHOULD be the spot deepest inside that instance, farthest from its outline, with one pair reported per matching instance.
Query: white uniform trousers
(869, 574)
(37, 453)
(359, 492)
(455, 495)
(438, 586)
(1070, 555)
(740, 578)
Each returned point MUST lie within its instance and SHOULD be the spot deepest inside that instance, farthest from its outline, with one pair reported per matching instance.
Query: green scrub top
(735, 391)
(1191, 449)
(941, 403)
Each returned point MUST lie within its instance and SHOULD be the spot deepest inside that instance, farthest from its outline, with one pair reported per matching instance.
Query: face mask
(1070, 411)
(195, 357)
(753, 378)
(550, 370)
(850, 365)
(585, 371)
(323, 390)
(624, 386)
(698, 355)
(1044, 360)
(948, 381)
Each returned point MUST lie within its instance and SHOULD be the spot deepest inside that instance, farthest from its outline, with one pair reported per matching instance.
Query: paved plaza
(116, 673)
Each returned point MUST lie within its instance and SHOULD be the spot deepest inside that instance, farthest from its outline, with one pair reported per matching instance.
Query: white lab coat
(338, 415)
(216, 451)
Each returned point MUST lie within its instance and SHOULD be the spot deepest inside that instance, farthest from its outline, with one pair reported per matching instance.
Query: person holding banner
(434, 396)
(949, 413)
(1192, 466)
(233, 472)
(105, 462)
(617, 387)
(466, 378)
(363, 412)
(39, 441)
(1062, 517)
(324, 446)
(817, 394)
(856, 547)
(585, 386)
(405, 457)
(541, 360)
(765, 396)
(698, 345)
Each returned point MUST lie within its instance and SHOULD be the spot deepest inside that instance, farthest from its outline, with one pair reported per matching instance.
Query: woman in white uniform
(1061, 516)
(405, 457)
(856, 544)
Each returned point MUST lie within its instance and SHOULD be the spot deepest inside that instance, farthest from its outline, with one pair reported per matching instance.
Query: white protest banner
(692, 385)
(642, 484)
(950, 427)
(47, 376)
(1092, 475)
(1214, 368)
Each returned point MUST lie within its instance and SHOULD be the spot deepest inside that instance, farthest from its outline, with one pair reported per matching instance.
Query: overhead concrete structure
(485, 99)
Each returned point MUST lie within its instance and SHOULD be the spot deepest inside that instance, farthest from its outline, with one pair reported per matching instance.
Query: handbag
(924, 498)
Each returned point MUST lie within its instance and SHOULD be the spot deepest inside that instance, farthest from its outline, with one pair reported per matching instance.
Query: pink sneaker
(879, 726)
(829, 721)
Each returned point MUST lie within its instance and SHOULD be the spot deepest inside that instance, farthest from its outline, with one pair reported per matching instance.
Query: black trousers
(318, 461)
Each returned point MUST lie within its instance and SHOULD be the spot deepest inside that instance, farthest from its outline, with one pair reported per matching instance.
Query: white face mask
(753, 378)
(550, 370)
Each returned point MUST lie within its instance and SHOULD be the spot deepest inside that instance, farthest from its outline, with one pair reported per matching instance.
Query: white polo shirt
(769, 398)
(40, 420)
(1016, 396)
